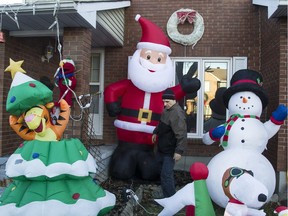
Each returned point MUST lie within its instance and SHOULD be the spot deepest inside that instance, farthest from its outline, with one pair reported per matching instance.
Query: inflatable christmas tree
(51, 176)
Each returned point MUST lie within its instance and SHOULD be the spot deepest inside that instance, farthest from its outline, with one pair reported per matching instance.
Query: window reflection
(215, 77)
(95, 69)
(189, 103)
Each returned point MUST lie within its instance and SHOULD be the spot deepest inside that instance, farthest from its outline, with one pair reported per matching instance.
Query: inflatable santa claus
(150, 72)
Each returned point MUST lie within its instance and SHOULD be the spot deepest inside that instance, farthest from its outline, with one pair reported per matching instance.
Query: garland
(180, 16)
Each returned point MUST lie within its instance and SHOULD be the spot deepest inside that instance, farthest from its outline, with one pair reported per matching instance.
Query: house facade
(101, 35)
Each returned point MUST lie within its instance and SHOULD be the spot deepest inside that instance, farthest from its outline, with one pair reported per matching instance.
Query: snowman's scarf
(229, 124)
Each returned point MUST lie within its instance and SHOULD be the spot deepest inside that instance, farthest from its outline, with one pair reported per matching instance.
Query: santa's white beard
(148, 81)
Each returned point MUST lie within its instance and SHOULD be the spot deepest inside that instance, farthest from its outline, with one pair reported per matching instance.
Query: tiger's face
(36, 118)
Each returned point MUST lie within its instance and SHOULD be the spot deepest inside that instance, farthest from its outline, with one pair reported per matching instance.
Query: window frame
(200, 94)
(98, 126)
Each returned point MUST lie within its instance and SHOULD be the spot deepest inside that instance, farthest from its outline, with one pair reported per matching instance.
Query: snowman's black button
(242, 140)
(243, 120)
(242, 128)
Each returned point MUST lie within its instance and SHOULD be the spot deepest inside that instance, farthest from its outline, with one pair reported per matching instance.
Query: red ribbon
(183, 16)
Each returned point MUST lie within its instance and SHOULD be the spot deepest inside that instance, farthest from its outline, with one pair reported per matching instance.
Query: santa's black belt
(143, 115)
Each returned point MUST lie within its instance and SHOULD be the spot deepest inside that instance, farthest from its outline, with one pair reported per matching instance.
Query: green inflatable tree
(51, 176)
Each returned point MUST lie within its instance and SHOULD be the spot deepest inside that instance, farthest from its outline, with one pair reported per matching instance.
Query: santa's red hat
(152, 36)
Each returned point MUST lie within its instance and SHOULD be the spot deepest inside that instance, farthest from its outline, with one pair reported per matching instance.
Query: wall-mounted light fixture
(48, 53)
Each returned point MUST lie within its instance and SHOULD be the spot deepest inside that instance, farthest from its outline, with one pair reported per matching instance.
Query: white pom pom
(137, 17)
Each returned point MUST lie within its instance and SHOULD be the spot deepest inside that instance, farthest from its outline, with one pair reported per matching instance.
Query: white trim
(99, 6)
(89, 10)
(154, 46)
(130, 126)
(90, 17)
(67, 5)
(55, 207)
(200, 94)
(99, 125)
(79, 168)
(239, 63)
(41, 7)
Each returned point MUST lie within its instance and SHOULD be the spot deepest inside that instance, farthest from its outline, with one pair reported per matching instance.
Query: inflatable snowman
(244, 137)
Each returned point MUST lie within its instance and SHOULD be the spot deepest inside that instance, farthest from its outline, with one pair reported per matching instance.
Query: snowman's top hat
(246, 80)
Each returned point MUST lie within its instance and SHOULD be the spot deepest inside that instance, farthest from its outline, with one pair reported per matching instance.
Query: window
(97, 86)
(213, 73)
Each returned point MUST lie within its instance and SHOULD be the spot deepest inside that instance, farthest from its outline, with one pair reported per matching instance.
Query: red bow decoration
(183, 16)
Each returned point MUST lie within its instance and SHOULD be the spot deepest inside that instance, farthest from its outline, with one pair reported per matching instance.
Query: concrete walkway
(186, 161)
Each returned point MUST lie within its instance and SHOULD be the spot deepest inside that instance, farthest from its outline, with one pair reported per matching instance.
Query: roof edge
(272, 5)
(89, 10)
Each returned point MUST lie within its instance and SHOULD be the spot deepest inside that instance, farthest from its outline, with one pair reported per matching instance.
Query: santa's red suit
(140, 111)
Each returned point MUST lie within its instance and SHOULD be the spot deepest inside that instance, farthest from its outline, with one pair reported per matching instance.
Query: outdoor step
(102, 155)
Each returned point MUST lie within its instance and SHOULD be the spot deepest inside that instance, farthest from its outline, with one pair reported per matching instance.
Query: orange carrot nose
(244, 100)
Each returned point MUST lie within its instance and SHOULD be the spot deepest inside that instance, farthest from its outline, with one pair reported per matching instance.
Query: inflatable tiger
(35, 124)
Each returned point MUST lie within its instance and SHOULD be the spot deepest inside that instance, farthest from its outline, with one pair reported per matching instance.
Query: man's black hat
(168, 94)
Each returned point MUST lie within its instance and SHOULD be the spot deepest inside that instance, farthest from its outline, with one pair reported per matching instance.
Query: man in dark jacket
(172, 139)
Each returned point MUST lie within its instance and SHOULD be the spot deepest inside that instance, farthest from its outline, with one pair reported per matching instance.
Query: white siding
(113, 22)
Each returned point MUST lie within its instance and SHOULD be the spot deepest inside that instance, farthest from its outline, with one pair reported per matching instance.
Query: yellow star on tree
(15, 67)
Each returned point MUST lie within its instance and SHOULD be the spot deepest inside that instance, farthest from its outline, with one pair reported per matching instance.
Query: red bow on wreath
(183, 16)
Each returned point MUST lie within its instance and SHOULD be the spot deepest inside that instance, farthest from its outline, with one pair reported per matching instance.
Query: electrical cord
(131, 194)
(59, 47)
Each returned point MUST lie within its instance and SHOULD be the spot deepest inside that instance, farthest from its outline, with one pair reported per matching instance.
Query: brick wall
(77, 46)
(274, 70)
(231, 29)
(282, 150)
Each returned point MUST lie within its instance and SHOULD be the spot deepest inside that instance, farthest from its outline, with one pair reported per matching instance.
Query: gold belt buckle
(146, 118)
